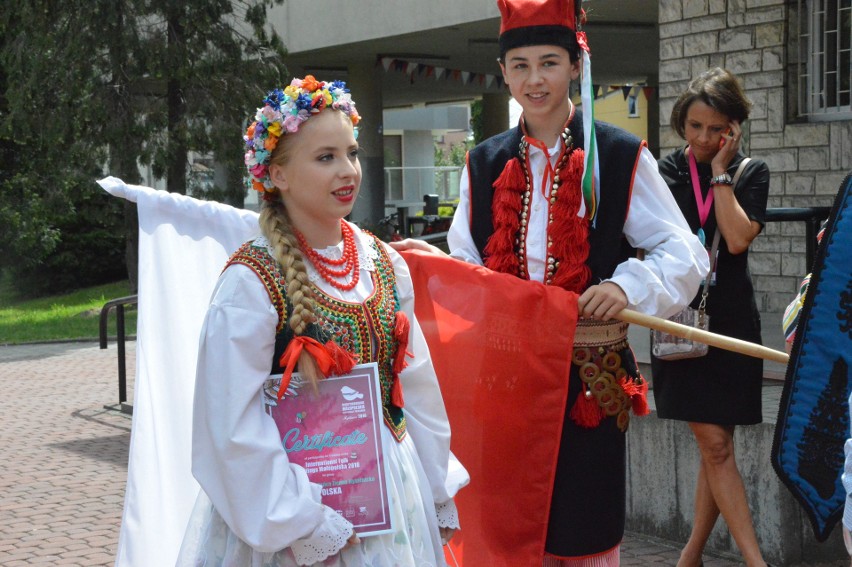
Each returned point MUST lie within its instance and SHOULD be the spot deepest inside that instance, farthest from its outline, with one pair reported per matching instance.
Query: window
(825, 67)
(633, 105)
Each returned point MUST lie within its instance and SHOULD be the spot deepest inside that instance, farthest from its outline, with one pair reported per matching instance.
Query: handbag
(666, 346)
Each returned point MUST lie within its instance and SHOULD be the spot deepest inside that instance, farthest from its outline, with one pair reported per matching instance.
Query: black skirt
(722, 387)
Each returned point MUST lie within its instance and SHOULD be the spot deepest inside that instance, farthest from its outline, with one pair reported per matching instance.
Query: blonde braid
(276, 227)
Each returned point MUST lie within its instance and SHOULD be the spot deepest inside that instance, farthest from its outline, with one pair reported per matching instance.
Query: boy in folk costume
(527, 209)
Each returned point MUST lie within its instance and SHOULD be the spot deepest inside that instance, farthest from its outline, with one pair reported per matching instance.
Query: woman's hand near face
(739, 231)
(730, 145)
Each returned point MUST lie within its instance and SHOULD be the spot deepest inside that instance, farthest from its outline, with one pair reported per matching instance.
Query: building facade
(793, 59)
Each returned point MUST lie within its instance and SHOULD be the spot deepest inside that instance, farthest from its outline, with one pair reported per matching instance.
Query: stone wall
(757, 40)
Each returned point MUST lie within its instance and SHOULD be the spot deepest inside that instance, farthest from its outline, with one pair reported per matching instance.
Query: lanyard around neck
(703, 204)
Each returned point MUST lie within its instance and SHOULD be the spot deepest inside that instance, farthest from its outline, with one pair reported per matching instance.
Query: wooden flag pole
(712, 339)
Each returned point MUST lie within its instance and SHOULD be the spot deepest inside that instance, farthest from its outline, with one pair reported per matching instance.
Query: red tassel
(401, 329)
(505, 210)
(640, 400)
(630, 387)
(586, 412)
(343, 360)
(571, 241)
(511, 178)
(396, 393)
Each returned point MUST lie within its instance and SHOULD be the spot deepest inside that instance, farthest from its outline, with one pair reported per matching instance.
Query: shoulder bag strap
(739, 171)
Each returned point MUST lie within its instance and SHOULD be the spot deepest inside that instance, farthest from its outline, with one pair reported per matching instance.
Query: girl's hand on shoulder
(414, 244)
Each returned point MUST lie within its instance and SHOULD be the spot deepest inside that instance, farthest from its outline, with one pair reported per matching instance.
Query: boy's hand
(602, 301)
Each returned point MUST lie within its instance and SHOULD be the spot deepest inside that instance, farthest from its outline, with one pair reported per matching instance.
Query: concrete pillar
(495, 114)
(364, 80)
(419, 153)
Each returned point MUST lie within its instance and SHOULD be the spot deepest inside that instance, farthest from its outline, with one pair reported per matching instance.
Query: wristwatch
(723, 179)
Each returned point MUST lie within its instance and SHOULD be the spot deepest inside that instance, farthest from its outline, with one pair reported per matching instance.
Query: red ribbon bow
(330, 358)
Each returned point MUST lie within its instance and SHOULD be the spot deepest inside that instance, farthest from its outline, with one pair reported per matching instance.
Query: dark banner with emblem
(813, 419)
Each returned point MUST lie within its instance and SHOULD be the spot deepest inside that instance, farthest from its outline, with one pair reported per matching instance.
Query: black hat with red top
(539, 22)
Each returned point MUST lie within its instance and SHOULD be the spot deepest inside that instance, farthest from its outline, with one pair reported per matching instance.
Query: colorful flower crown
(283, 112)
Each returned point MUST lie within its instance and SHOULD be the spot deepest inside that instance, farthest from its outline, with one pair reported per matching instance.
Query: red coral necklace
(330, 269)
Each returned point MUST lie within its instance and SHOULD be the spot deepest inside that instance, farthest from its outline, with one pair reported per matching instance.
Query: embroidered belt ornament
(608, 389)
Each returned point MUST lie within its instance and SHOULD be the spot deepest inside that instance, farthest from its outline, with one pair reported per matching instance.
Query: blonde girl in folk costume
(316, 289)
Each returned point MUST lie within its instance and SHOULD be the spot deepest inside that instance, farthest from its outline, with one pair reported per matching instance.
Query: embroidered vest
(618, 152)
(363, 329)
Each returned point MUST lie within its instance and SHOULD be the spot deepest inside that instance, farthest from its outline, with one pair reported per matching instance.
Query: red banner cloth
(502, 350)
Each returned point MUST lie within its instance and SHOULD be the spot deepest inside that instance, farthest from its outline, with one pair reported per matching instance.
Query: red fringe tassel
(640, 400)
(401, 329)
(505, 209)
(586, 411)
(343, 359)
(571, 232)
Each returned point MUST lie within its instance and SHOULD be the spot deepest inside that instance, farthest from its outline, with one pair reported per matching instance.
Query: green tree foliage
(452, 156)
(94, 87)
(476, 121)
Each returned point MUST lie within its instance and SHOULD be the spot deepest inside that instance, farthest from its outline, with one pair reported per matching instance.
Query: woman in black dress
(716, 392)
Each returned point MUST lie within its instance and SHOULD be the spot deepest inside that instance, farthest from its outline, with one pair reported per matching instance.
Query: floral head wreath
(283, 112)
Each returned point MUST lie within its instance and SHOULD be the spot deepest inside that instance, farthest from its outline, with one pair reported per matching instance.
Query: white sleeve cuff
(448, 515)
(327, 540)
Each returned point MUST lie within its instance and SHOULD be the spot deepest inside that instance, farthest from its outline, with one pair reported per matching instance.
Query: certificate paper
(335, 435)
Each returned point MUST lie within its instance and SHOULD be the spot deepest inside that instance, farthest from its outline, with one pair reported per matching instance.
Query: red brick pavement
(63, 457)
(63, 460)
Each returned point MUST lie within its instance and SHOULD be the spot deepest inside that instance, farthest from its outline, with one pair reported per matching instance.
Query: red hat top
(537, 22)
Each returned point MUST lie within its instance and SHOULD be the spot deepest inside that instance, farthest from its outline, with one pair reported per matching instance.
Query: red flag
(502, 351)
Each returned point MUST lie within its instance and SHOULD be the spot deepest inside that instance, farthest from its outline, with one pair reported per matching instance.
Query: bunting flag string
(413, 69)
(489, 80)
(626, 90)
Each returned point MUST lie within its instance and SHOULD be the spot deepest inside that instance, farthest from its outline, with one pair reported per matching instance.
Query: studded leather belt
(594, 333)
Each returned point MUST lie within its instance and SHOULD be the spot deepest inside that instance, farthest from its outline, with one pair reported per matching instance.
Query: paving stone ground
(63, 456)
(63, 460)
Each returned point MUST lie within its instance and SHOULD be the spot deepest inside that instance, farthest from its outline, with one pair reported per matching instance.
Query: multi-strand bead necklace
(334, 270)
